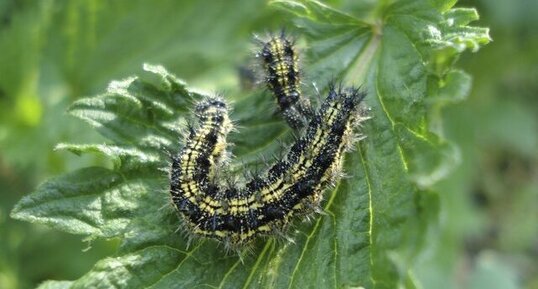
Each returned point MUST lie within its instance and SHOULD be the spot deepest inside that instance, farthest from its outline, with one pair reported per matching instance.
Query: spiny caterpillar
(266, 203)
(281, 65)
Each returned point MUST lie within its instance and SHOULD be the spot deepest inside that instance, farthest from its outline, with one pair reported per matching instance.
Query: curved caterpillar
(266, 203)
(293, 185)
(281, 65)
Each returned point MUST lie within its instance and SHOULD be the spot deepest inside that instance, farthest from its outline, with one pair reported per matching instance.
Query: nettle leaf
(375, 219)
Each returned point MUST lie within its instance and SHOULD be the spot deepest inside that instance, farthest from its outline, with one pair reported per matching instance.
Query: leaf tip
(18, 212)
(121, 86)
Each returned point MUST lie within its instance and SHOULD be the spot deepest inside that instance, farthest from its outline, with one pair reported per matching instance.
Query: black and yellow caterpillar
(291, 186)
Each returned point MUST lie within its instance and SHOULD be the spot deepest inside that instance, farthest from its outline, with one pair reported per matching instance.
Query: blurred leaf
(493, 272)
(375, 219)
(484, 200)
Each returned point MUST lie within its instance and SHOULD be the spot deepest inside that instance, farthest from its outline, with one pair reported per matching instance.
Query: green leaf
(94, 201)
(375, 218)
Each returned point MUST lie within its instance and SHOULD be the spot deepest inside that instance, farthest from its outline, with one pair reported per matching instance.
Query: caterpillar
(282, 77)
(265, 204)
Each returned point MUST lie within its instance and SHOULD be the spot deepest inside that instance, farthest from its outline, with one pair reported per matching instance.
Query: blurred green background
(53, 52)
